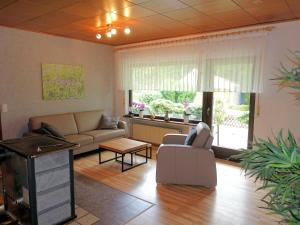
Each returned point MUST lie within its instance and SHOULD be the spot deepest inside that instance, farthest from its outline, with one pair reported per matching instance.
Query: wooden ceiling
(148, 19)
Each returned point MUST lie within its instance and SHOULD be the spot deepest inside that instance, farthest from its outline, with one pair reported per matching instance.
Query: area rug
(111, 206)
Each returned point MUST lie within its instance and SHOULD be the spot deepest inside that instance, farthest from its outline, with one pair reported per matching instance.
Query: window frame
(130, 92)
(207, 110)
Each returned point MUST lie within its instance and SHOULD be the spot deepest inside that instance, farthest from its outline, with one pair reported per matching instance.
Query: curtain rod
(194, 37)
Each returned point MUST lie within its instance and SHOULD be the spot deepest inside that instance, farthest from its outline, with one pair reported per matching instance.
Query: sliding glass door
(230, 123)
(230, 116)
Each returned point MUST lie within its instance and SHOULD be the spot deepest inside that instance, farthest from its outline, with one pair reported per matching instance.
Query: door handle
(208, 111)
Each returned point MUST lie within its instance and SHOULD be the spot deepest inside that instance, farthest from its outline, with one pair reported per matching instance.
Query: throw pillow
(191, 136)
(52, 130)
(108, 122)
(41, 130)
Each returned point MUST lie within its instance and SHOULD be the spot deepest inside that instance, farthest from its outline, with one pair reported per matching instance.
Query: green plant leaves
(277, 164)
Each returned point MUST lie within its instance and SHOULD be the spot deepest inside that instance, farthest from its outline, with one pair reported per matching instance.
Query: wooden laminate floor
(233, 202)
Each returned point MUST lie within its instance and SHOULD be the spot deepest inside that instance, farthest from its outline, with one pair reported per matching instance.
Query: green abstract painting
(62, 82)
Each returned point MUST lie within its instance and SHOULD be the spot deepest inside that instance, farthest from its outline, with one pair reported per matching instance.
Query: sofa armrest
(174, 139)
(122, 124)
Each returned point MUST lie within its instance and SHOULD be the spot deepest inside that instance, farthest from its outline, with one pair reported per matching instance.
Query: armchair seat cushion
(79, 139)
(102, 135)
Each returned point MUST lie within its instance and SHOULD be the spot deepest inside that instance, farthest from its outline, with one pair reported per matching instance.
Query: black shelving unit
(38, 180)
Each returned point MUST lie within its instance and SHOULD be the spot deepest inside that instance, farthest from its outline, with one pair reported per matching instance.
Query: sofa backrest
(204, 138)
(64, 123)
(87, 121)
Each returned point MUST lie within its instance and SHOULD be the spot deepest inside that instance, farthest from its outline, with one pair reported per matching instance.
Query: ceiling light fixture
(113, 16)
(98, 36)
(113, 31)
(108, 34)
(127, 30)
(110, 30)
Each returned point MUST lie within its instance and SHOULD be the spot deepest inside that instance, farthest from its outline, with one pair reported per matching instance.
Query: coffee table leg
(116, 156)
(99, 155)
(122, 162)
(131, 155)
(146, 154)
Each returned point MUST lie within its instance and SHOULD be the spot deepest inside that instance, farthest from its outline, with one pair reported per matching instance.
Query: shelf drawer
(51, 161)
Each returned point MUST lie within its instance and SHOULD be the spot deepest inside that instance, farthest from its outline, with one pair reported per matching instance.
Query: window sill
(136, 118)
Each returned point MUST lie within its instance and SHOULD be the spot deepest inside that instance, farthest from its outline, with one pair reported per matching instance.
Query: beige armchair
(187, 164)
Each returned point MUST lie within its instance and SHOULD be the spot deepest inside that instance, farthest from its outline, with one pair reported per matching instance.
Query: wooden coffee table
(123, 146)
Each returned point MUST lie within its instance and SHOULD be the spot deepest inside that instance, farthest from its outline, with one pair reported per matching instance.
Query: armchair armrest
(186, 149)
(122, 124)
(174, 139)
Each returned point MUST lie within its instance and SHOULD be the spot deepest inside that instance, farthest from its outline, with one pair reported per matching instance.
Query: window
(175, 102)
(231, 119)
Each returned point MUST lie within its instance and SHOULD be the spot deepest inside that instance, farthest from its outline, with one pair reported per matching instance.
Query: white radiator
(150, 133)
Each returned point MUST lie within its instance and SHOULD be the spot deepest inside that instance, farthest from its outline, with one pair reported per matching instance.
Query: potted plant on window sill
(139, 108)
(186, 113)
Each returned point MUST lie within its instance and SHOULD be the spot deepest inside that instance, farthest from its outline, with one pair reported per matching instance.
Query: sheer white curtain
(233, 64)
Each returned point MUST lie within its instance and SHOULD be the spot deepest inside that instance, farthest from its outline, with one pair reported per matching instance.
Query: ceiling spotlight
(98, 36)
(108, 34)
(127, 30)
(113, 16)
(113, 31)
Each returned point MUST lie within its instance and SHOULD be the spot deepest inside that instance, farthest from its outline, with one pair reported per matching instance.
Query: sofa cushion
(64, 123)
(80, 139)
(103, 135)
(109, 122)
(87, 121)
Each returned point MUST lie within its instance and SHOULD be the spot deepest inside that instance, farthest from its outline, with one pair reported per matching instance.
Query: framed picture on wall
(62, 81)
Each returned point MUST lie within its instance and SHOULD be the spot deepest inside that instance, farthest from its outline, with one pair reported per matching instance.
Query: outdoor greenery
(241, 107)
(244, 118)
(175, 102)
(219, 117)
(148, 98)
(179, 96)
(277, 164)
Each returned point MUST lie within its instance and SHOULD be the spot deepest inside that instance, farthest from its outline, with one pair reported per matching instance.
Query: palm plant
(277, 164)
(291, 77)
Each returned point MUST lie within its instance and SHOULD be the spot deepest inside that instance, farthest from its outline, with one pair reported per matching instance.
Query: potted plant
(139, 108)
(277, 165)
(162, 106)
(290, 78)
(186, 113)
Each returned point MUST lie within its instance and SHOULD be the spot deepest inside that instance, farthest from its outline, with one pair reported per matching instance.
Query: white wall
(278, 109)
(21, 55)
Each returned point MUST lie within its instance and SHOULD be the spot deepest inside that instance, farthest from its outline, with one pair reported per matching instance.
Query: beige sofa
(80, 128)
